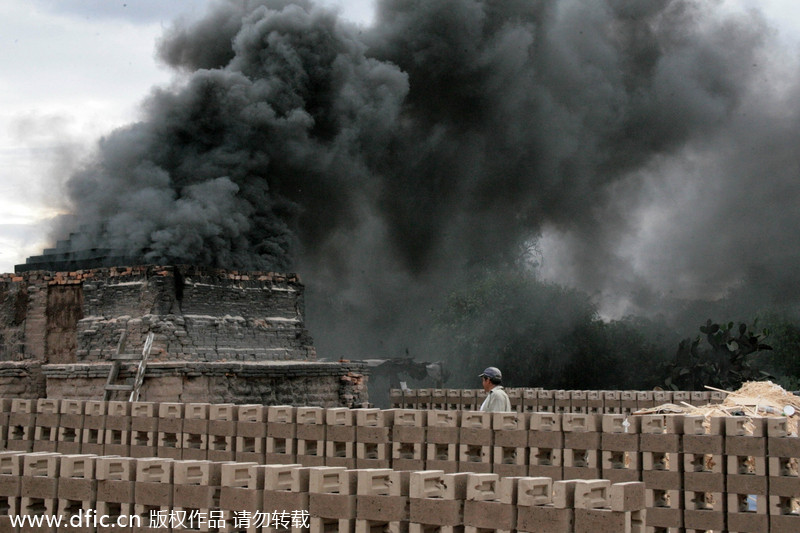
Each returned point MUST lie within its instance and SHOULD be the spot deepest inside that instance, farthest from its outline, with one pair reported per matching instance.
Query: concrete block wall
(162, 494)
(715, 474)
(527, 400)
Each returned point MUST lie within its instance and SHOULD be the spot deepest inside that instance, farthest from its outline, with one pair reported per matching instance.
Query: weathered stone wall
(196, 314)
(21, 379)
(267, 383)
(219, 336)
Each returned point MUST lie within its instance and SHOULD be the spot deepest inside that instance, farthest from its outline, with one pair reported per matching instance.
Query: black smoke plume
(648, 146)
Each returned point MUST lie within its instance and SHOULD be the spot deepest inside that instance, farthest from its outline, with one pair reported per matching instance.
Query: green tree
(541, 335)
(724, 362)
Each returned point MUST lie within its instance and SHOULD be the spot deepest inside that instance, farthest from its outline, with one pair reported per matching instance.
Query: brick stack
(408, 439)
(286, 492)
(10, 475)
(442, 432)
(612, 402)
(242, 491)
(332, 498)
(374, 438)
(281, 432)
(382, 500)
(152, 491)
(341, 436)
(116, 440)
(77, 489)
(196, 495)
(704, 473)
(601, 506)
(546, 445)
(581, 446)
(39, 485)
(310, 436)
(476, 441)
(784, 478)
(251, 433)
(144, 429)
(115, 486)
(620, 460)
(21, 425)
(45, 433)
(71, 424)
(660, 443)
(453, 399)
(222, 432)
(169, 430)
(490, 503)
(94, 427)
(747, 488)
(510, 451)
(544, 506)
(436, 500)
(194, 440)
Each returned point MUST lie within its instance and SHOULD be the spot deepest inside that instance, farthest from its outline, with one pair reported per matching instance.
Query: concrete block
(544, 519)
(281, 450)
(546, 462)
(545, 439)
(619, 466)
(491, 488)
(424, 398)
(582, 440)
(196, 411)
(746, 465)
(741, 426)
(617, 423)
(529, 402)
(592, 494)
(564, 494)
(144, 410)
(242, 487)
(533, 491)
(510, 429)
(469, 453)
(196, 484)
(332, 492)
(545, 422)
(608, 521)
(408, 456)
(662, 424)
(699, 445)
(627, 496)
(40, 476)
(441, 456)
(784, 447)
(580, 422)
(705, 519)
(747, 522)
(23, 405)
(662, 461)
(493, 516)
(408, 434)
(746, 445)
(576, 458)
(373, 455)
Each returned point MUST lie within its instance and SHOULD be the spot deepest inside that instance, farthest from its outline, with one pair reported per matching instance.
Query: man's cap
(492, 373)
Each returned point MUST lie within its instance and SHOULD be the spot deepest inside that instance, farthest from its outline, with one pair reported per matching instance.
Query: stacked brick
(531, 400)
(698, 474)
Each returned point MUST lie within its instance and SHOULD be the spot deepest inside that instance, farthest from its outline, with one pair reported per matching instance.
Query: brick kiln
(219, 336)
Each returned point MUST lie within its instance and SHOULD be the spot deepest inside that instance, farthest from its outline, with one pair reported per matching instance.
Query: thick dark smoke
(649, 145)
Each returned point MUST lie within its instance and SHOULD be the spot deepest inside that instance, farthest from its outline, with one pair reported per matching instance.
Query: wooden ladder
(116, 360)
